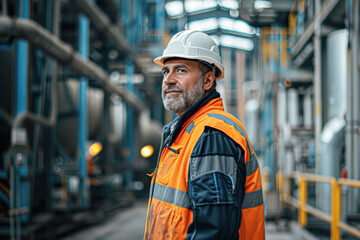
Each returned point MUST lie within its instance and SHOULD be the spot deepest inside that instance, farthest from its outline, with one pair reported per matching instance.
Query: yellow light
(147, 151)
(95, 148)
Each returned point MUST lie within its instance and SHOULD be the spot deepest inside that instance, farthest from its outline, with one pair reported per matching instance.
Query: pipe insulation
(332, 143)
(51, 44)
(111, 32)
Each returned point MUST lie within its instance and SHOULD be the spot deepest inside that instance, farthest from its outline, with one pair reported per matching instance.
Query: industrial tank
(67, 127)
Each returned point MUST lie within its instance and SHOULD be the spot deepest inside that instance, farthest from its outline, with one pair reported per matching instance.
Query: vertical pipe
(20, 189)
(55, 19)
(124, 16)
(21, 64)
(160, 20)
(129, 71)
(317, 82)
(82, 122)
(271, 136)
(129, 120)
(275, 129)
(349, 132)
(355, 98)
(317, 94)
(307, 109)
(139, 18)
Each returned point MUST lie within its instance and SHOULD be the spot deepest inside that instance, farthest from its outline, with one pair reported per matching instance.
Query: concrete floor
(129, 225)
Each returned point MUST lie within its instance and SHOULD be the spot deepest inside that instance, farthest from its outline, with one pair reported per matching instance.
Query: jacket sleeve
(216, 187)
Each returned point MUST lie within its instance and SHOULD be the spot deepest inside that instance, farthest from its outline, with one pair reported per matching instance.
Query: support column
(21, 183)
(82, 120)
(353, 111)
(130, 138)
(317, 83)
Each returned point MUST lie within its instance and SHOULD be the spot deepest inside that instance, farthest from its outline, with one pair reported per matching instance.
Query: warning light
(147, 151)
(95, 149)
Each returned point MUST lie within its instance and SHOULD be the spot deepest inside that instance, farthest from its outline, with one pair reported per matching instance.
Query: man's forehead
(183, 62)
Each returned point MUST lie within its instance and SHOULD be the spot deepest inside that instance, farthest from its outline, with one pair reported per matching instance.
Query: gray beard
(183, 101)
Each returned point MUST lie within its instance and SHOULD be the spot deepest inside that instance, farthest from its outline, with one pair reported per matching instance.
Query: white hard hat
(190, 44)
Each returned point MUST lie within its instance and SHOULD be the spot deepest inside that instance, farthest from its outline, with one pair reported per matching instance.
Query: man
(207, 182)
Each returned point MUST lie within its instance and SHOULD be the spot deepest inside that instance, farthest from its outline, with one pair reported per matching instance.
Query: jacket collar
(172, 129)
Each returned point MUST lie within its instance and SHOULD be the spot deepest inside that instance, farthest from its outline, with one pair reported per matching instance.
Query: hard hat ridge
(195, 45)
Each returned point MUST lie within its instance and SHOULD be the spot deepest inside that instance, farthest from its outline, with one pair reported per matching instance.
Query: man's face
(182, 85)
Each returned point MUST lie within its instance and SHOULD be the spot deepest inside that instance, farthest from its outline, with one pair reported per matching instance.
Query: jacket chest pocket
(167, 163)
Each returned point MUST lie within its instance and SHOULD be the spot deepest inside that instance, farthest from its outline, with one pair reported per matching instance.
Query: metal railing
(284, 188)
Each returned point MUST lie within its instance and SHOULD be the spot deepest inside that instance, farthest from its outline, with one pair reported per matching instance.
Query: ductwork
(51, 44)
(332, 136)
(332, 144)
(111, 32)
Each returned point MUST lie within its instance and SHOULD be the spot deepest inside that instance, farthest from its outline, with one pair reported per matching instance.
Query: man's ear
(209, 79)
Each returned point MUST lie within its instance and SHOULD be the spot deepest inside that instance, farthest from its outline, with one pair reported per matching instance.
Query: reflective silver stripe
(252, 164)
(190, 127)
(206, 164)
(253, 199)
(171, 195)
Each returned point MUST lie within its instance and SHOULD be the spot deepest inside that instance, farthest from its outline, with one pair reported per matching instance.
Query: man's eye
(181, 70)
(165, 72)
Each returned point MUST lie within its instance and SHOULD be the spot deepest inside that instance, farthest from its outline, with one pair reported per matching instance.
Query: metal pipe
(111, 32)
(332, 142)
(317, 83)
(130, 128)
(355, 118)
(83, 41)
(37, 35)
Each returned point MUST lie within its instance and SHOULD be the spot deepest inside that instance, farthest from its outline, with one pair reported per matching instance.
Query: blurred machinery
(77, 106)
(308, 95)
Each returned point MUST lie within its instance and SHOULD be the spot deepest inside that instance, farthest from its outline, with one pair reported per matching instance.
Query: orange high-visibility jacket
(197, 196)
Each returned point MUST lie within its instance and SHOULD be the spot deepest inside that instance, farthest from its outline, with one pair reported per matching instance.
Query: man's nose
(169, 79)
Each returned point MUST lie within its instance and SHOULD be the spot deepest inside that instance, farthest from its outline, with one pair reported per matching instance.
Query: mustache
(171, 88)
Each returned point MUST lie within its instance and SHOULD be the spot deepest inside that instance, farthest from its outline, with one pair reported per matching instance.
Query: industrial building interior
(81, 111)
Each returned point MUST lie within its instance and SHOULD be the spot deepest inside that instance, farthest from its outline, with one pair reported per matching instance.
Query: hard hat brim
(160, 61)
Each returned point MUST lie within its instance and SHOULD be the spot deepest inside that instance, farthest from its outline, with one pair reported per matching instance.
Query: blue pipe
(84, 26)
(21, 196)
(129, 121)
(160, 18)
(21, 65)
(127, 8)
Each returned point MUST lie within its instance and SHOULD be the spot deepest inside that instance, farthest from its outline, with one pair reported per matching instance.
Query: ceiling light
(262, 4)
(230, 4)
(199, 5)
(236, 25)
(174, 8)
(236, 42)
(206, 24)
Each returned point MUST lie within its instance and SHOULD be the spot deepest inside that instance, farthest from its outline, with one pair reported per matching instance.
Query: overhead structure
(63, 52)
